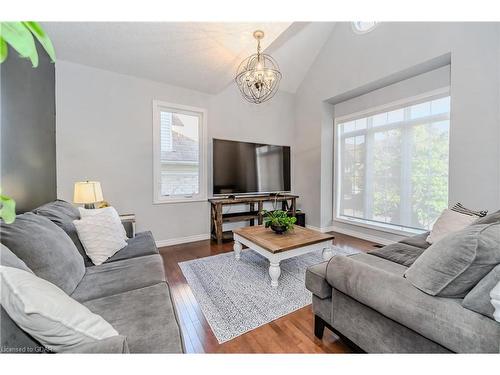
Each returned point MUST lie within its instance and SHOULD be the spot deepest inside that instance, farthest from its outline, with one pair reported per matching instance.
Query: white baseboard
(353, 233)
(181, 240)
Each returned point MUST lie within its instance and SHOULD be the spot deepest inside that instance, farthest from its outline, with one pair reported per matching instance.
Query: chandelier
(258, 76)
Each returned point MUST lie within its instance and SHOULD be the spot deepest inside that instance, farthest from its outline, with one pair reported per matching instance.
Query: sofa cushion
(385, 290)
(316, 281)
(49, 314)
(9, 259)
(118, 277)
(142, 244)
(454, 265)
(111, 345)
(145, 316)
(12, 337)
(46, 249)
(399, 252)
(494, 217)
(62, 214)
(418, 241)
(478, 299)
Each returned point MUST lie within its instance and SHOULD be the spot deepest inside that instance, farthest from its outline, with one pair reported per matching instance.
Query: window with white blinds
(392, 163)
(179, 153)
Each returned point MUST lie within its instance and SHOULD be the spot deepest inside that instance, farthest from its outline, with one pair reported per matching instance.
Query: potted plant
(278, 221)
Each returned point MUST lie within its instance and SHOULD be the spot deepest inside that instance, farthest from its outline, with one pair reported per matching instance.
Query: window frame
(394, 105)
(201, 113)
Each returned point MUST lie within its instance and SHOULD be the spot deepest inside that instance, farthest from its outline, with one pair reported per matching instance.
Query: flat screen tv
(250, 168)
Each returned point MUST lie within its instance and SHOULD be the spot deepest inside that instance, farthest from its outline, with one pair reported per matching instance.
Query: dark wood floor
(292, 333)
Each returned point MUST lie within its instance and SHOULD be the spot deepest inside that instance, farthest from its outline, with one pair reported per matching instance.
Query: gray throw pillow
(494, 217)
(399, 252)
(45, 249)
(478, 299)
(62, 214)
(454, 265)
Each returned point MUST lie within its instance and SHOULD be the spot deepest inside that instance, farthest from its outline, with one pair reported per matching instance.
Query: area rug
(236, 295)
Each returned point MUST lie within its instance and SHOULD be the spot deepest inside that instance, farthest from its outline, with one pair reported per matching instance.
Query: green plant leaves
(8, 209)
(20, 38)
(4, 51)
(43, 38)
(278, 218)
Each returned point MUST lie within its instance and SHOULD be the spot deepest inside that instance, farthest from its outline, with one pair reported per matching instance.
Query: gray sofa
(366, 300)
(129, 290)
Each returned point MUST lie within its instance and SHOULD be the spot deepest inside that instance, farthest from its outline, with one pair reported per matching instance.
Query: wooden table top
(278, 243)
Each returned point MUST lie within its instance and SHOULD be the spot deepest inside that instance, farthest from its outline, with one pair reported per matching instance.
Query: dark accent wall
(28, 131)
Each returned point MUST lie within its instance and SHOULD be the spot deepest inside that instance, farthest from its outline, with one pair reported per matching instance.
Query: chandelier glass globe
(258, 76)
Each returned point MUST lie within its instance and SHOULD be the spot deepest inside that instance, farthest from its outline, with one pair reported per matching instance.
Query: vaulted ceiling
(194, 55)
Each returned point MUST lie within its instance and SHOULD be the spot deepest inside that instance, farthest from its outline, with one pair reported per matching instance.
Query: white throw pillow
(110, 211)
(100, 236)
(48, 314)
(449, 221)
(495, 301)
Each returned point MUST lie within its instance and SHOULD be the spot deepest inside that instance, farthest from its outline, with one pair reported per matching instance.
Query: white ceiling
(199, 56)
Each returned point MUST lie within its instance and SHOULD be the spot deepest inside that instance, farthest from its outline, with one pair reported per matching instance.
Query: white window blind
(392, 163)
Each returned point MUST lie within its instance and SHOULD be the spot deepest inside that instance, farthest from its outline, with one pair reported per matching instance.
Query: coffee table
(277, 247)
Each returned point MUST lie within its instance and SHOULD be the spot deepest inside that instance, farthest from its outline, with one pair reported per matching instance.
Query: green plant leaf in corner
(4, 51)
(8, 209)
(20, 38)
(43, 38)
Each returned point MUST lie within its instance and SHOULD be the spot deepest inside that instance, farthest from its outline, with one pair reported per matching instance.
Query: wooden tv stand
(218, 217)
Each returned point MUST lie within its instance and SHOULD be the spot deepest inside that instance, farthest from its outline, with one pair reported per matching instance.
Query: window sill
(393, 229)
(179, 200)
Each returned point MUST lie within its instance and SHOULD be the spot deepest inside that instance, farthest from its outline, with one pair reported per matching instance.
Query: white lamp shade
(87, 192)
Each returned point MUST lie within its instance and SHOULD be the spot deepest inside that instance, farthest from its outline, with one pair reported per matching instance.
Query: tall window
(179, 153)
(392, 164)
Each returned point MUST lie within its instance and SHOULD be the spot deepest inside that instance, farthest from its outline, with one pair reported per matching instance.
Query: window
(179, 153)
(392, 164)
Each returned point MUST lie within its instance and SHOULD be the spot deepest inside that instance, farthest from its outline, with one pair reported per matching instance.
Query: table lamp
(87, 193)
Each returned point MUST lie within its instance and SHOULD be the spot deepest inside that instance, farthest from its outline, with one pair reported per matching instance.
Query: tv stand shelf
(217, 204)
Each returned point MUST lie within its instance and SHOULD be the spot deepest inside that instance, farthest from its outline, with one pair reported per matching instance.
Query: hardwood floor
(292, 333)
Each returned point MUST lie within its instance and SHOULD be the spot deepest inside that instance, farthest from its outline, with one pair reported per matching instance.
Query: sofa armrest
(110, 345)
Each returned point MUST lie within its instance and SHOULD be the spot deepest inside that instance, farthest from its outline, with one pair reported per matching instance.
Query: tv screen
(246, 168)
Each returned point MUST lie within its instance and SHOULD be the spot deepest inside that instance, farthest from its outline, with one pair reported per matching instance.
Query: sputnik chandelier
(258, 76)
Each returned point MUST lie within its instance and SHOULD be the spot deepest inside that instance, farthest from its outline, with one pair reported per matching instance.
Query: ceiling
(200, 56)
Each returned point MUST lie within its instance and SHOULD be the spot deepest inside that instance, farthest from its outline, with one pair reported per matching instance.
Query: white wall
(349, 61)
(104, 132)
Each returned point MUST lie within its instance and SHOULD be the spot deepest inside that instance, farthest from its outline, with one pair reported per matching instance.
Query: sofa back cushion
(479, 299)
(62, 214)
(453, 266)
(45, 249)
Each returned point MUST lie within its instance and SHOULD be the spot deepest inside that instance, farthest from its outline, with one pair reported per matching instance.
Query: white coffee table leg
(237, 249)
(274, 272)
(327, 253)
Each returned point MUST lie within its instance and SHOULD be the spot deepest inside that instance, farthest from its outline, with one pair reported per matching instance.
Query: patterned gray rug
(236, 296)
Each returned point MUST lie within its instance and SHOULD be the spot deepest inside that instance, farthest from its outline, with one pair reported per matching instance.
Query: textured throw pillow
(478, 299)
(449, 221)
(49, 315)
(495, 301)
(454, 265)
(45, 248)
(109, 211)
(101, 236)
